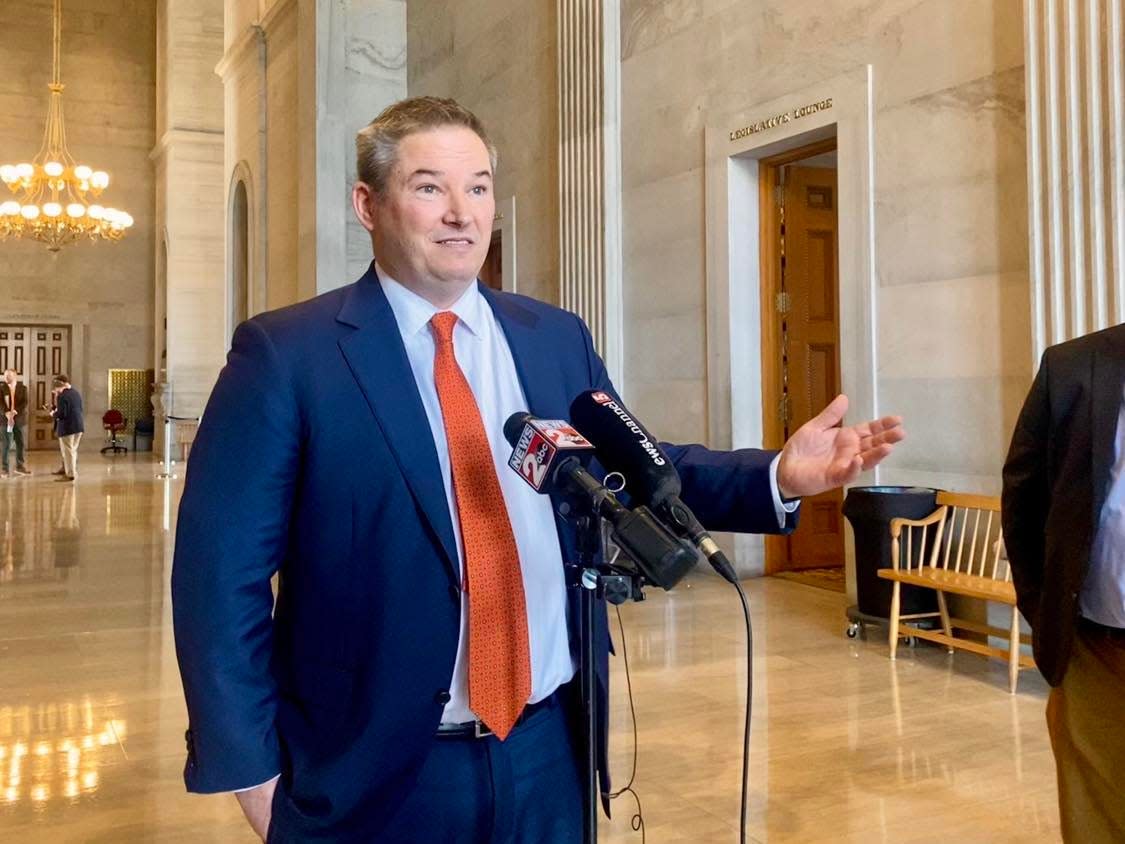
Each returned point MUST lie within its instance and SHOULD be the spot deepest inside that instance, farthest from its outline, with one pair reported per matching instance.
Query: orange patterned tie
(499, 655)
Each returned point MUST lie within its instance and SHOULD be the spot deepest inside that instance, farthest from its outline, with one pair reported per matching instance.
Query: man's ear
(364, 201)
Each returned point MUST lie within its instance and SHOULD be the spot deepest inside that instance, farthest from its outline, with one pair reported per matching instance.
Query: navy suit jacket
(314, 460)
(69, 414)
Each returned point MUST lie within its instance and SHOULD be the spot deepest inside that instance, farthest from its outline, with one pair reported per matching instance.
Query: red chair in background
(113, 421)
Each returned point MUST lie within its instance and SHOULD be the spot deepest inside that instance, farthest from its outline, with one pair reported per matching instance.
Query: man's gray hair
(376, 145)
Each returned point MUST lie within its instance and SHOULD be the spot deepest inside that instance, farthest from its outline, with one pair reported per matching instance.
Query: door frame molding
(733, 249)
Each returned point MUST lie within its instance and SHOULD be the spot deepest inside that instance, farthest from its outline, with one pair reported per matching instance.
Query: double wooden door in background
(38, 353)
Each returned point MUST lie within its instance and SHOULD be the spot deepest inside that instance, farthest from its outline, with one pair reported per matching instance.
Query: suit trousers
(1088, 739)
(524, 790)
(17, 438)
(68, 445)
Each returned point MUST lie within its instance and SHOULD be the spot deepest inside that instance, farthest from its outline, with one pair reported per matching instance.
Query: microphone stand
(614, 584)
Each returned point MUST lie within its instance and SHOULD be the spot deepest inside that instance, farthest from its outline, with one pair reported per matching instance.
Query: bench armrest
(898, 524)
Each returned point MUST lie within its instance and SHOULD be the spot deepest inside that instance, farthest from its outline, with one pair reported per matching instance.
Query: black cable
(637, 822)
(749, 707)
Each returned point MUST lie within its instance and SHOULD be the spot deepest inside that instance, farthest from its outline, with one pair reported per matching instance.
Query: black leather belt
(478, 729)
(1102, 630)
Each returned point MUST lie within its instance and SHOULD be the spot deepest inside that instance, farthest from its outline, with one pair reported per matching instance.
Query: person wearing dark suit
(70, 424)
(13, 431)
(1063, 512)
(412, 682)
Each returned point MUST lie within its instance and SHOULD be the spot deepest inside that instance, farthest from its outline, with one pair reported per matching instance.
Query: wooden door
(811, 357)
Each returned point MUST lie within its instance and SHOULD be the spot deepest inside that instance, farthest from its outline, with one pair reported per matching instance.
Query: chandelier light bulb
(76, 210)
(126, 219)
(53, 169)
(83, 172)
(100, 179)
(51, 209)
(9, 209)
(30, 212)
(8, 174)
(25, 170)
(95, 212)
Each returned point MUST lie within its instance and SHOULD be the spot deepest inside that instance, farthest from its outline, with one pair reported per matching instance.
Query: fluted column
(589, 170)
(1076, 165)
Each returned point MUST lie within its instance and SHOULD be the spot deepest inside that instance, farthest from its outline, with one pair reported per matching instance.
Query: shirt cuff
(259, 785)
(782, 508)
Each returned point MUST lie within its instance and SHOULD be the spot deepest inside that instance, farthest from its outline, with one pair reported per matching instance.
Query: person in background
(13, 401)
(69, 424)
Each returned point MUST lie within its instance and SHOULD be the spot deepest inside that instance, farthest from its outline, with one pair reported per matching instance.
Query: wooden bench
(958, 550)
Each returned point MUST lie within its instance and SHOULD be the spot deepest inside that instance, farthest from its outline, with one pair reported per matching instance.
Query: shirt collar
(413, 313)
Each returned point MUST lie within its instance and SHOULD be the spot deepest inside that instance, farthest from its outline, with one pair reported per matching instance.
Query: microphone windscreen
(623, 445)
(514, 427)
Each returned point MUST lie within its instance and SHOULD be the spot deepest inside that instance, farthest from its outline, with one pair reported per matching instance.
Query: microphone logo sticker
(561, 434)
(532, 458)
(651, 450)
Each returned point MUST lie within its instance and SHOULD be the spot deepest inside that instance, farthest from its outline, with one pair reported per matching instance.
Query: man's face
(10, 377)
(432, 225)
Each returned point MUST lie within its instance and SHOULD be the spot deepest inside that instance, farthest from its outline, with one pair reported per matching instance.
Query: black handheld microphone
(550, 455)
(624, 446)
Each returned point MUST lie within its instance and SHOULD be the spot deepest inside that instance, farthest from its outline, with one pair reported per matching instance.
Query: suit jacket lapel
(1107, 379)
(377, 359)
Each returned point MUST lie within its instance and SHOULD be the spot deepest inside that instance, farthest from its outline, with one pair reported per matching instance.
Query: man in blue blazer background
(330, 454)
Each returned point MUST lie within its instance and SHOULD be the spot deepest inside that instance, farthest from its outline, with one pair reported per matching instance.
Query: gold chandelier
(54, 196)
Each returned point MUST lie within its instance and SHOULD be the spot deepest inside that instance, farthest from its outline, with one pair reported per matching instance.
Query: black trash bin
(142, 434)
(870, 510)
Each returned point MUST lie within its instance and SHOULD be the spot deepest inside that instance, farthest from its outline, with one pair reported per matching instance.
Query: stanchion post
(167, 462)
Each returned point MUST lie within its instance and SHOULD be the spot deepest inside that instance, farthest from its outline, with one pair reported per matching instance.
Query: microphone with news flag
(624, 445)
(551, 456)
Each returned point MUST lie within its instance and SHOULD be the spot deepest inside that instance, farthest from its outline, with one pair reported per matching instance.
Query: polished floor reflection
(847, 746)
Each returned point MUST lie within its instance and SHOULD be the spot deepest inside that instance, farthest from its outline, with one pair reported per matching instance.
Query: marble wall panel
(497, 58)
(950, 174)
(282, 161)
(957, 328)
(952, 188)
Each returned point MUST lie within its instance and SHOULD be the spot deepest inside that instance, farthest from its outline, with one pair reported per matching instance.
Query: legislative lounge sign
(781, 119)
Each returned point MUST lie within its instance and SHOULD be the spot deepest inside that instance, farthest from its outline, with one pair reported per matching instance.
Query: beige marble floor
(847, 746)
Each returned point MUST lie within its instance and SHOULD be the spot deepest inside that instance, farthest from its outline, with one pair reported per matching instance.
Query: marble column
(589, 94)
(188, 158)
(1075, 60)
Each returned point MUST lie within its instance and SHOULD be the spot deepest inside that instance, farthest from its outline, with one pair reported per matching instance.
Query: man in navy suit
(412, 681)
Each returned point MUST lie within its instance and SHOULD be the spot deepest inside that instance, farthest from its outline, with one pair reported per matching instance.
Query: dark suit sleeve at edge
(727, 490)
(1024, 501)
(230, 539)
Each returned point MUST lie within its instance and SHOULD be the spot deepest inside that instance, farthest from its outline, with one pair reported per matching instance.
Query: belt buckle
(480, 729)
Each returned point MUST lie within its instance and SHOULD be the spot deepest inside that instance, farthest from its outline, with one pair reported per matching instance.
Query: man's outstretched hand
(821, 456)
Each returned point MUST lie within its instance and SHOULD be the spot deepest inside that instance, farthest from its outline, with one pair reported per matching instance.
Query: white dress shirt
(1102, 598)
(484, 356)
